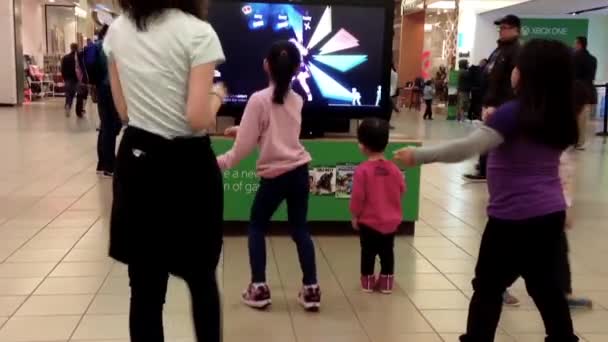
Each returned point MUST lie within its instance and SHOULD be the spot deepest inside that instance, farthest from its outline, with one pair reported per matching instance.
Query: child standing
(272, 122)
(427, 95)
(378, 187)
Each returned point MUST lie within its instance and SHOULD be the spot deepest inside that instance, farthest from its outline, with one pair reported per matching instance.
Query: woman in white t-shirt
(168, 193)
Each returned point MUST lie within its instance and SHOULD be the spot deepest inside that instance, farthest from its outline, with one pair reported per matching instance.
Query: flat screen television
(346, 51)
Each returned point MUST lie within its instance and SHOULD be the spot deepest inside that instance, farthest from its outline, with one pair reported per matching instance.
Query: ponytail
(283, 60)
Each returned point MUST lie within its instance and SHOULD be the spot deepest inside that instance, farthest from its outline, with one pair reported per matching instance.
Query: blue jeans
(292, 187)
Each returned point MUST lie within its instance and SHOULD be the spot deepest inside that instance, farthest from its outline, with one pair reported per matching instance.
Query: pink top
(275, 129)
(378, 187)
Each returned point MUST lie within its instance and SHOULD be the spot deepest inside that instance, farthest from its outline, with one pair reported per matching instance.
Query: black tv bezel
(315, 113)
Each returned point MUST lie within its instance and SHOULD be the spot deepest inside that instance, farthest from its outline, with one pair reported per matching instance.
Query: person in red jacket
(378, 187)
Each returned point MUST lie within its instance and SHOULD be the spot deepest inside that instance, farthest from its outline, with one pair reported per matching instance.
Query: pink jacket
(275, 130)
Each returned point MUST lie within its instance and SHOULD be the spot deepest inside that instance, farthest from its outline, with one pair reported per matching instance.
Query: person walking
(498, 78)
(272, 122)
(585, 71)
(464, 90)
(73, 71)
(167, 211)
(527, 208)
(109, 118)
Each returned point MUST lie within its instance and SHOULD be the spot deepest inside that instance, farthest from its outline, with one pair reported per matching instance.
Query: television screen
(344, 66)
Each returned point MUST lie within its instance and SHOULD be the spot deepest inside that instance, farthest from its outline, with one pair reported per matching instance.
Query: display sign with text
(331, 174)
(564, 30)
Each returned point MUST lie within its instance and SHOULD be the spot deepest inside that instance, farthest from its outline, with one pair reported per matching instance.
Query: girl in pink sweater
(272, 123)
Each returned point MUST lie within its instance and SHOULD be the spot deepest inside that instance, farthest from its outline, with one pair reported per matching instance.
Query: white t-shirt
(154, 67)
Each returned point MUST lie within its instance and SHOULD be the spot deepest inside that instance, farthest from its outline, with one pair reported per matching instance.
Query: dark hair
(373, 134)
(463, 64)
(283, 61)
(103, 31)
(546, 93)
(141, 11)
(73, 47)
(582, 40)
(428, 82)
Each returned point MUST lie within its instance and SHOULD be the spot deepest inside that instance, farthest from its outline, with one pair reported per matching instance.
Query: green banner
(564, 30)
(331, 173)
(452, 95)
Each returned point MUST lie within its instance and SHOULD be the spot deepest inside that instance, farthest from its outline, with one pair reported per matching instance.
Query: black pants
(292, 187)
(374, 243)
(74, 90)
(428, 112)
(563, 264)
(148, 290)
(108, 130)
(483, 165)
(531, 249)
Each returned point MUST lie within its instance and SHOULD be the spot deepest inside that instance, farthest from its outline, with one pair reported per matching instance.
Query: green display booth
(332, 166)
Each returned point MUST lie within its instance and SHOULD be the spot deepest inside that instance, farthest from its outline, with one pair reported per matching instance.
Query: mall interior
(58, 284)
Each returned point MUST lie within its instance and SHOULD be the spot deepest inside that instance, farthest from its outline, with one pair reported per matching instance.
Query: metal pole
(604, 133)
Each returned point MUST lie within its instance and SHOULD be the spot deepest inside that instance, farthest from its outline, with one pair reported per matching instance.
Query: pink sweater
(378, 187)
(275, 130)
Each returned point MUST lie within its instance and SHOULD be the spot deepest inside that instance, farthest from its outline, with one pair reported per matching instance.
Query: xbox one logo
(525, 30)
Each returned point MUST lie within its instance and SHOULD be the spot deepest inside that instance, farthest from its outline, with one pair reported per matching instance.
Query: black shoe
(475, 178)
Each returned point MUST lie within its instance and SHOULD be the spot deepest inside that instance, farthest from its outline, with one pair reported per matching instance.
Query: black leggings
(374, 243)
(148, 290)
(537, 259)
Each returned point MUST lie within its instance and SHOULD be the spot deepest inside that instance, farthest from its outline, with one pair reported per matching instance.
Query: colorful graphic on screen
(341, 48)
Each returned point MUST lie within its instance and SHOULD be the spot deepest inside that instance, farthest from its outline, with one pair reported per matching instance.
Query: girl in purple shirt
(527, 208)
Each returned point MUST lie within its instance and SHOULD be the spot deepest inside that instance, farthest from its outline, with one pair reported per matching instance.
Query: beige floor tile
(55, 305)
(37, 256)
(498, 338)
(10, 304)
(447, 321)
(103, 327)
(423, 282)
(596, 337)
(82, 269)
(25, 270)
(109, 304)
(378, 325)
(521, 322)
(33, 329)
(87, 255)
(18, 286)
(437, 300)
(70, 286)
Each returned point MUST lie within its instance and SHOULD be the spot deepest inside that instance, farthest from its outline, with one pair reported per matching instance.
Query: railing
(604, 132)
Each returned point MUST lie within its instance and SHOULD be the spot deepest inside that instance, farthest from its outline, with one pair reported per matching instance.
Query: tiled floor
(56, 283)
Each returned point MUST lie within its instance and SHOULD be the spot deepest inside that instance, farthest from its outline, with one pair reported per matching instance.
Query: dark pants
(539, 249)
(428, 112)
(374, 243)
(108, 130)
(148, 290)
(563, 263)
(292, 187)
(483, 165)
(73, 90)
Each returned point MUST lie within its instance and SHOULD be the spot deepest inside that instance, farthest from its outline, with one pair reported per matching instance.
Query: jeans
(428, 112)
(292, 187)
(539, 250)
(374, 243)
(108, 131)
(148, 291)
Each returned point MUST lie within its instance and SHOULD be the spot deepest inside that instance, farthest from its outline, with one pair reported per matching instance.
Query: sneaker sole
(260, 305)
(310, 307)
(514, 305)
(386, 292)
(588, 305)
(367, 290)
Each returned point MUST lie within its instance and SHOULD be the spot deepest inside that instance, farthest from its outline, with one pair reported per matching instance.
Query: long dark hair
(284, 59)
(141, 11)
(546, 93)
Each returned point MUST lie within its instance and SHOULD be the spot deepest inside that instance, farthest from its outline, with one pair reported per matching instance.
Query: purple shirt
(523, 176)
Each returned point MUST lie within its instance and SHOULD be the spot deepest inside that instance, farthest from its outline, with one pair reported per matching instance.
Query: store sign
(410, 5)
(564, 30)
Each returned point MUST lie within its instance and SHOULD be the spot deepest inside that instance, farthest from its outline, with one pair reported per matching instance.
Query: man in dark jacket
(585, 68)
(75, 78)
(497, 74)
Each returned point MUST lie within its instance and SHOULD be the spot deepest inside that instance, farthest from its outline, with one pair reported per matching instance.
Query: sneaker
(510, 300)
(579, 302)
(386, 283)
(477, 178)
(310, 298)
(68, 111)
(368, 283)
(107, 174)
(257, 296)
(580, 147)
